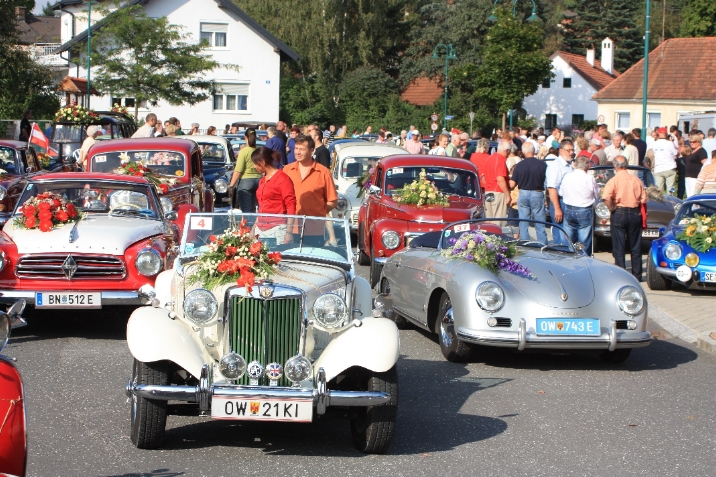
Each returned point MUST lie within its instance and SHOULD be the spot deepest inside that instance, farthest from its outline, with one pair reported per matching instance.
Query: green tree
(47, 10)
(150, 59)
(513, 62)
(699, 18)
(365, 94)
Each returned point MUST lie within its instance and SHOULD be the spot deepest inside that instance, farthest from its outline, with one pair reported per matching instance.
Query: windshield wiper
(554, 248)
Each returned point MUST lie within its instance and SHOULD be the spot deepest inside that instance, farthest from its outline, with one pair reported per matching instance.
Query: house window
(550, 121)
(653, 120)
(566, 82)
(577, 119)
(129, 102)
(623, 120)
(546, 82)
(231, 97)
(215, 34)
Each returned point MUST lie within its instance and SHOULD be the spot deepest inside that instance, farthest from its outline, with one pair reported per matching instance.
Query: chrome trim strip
(380, 260)
(666, 271)
(522, 334)
(511, 339)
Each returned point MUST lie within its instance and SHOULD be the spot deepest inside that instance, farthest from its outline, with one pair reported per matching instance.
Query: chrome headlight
(390, 239)
(602, 210)
(221, 186)
(232, 366)
(342, 203)
(298, 369)
(489, 296)
(630, 300)
(167, 204)
(3, 192)
(330, 311)
(148, 262)
(672, 251)
(200, 306)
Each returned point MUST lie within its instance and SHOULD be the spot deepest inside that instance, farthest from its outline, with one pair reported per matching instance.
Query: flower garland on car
(235, 256)
(44, 159)
(488, 251)
(132, 168)
(118, 108)
(47, 211)
(363, 183)
(700, 233)
(421, 192)
(76, 114)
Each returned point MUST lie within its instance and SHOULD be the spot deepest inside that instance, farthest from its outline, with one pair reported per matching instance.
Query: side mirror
(490, 197)
(171, 215)
(579, 247)
(374, 190)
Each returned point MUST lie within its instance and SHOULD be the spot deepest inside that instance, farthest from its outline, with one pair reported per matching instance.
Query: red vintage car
(386, 226)
(18, 162)
(103, 242)
(177, 162)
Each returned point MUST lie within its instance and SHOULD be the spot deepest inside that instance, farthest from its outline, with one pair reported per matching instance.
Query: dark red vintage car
(386, 226)
(17, 163)
(177, 162)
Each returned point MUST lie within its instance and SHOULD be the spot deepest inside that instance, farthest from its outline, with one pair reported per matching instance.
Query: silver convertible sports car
(472, 285)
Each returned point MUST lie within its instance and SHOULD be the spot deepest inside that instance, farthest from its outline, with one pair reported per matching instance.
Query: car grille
(504, 322)
(267, 331)
(622, 325)
(50, 266)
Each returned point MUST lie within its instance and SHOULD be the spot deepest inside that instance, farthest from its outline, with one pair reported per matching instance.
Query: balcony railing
(43, 53)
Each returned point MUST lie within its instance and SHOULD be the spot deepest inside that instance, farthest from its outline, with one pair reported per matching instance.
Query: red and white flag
(38, 138)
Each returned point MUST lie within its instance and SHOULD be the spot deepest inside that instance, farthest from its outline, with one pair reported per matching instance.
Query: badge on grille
(274, 373)
(266, 290)
(254, 370)
(69, 267)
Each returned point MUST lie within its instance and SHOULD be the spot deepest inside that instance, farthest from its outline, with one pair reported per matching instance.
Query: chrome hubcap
(447, 328)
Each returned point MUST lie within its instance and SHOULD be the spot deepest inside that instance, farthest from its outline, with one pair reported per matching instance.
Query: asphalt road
(501, 414)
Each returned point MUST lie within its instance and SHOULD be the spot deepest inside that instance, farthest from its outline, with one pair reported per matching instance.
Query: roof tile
(422, 91)
(594, 75)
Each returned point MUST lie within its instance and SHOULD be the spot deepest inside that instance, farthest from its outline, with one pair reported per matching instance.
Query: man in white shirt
(147, 129)
(556, 170)
(709, 144)
(615, 148)
(664, 162)
(579, 192)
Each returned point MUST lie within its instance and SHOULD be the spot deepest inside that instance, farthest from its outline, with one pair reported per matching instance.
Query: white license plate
(708, 277)
(294, 410)
(650, 233)
(68, 300)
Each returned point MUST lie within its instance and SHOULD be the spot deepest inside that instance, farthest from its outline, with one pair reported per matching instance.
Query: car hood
(661, 213)
(459, 209)
(555, 275)
(95, 234)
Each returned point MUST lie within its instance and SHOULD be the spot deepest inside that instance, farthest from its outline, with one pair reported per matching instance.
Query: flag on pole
(38, 138)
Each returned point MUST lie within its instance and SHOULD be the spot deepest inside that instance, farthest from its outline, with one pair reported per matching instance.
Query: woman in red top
(275, 195)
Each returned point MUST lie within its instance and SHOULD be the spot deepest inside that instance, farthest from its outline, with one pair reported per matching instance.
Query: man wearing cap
(664, 161)
(595, 147)
(414, 145)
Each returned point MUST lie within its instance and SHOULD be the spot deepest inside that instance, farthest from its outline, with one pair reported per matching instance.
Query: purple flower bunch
(488, 251)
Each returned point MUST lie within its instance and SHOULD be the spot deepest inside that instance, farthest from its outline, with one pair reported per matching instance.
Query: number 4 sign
(201, 223)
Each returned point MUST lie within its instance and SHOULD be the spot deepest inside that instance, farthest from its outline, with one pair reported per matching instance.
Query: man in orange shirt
(315, 192)
(624, 195)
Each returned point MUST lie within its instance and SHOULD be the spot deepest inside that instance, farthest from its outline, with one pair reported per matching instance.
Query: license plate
(294, 410)
(568, 326)
(651, 233)
(708, 277)
(68, 300)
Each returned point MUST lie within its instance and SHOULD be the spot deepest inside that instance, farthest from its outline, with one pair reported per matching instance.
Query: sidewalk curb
(674, 326)
(706, 343)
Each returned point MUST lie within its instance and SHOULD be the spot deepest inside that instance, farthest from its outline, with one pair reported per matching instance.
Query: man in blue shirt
(275, 143)
(556, 170)
(529, 176)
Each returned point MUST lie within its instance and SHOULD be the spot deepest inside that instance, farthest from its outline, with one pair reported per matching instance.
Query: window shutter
(214, 27)
(237, 89)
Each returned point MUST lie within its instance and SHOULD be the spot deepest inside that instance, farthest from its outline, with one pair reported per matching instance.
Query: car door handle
(397, 264)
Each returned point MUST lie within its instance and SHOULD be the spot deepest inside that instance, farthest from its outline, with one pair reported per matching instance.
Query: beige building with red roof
(566, 100)
(682, 80)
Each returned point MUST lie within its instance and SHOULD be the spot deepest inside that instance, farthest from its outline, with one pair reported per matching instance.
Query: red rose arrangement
(47, 211)
(138, 169)
(235, 256)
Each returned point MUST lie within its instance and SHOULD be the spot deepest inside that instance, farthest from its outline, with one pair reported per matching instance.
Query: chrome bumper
(522, 339)
(109, 298)
(380, 260)
(202, 393)
(666, 271)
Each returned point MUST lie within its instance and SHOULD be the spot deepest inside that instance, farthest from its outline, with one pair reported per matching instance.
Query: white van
(703, 122)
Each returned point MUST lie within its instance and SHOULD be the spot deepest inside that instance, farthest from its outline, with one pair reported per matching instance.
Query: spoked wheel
(399, 321)
(453, 349)
(374, 427)
(363, 258)
(616, 356)
(375, 269)
(654, 279)
(149, 416)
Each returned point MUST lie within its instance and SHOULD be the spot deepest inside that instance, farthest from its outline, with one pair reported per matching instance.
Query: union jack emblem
(274, 371)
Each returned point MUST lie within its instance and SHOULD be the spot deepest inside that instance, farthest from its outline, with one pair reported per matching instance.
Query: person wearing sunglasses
(556, 170)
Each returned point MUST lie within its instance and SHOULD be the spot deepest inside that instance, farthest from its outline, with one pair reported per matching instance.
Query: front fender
(380, 226)
(375, 345)
(153, 336)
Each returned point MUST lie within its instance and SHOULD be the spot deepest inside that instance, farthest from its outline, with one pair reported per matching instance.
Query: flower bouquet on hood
(137, 169)
(75, 114)
(235, 256)
(487, 251)
(421, 192)
(700, 233)
(47, 211)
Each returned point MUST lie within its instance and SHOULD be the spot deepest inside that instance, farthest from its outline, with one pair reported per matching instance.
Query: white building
(566, 99)
(250, 94)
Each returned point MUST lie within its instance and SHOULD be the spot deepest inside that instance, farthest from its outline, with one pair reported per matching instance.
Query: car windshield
(311, 238)
(603, 174)
(98, 197)
(448, 181)
(508, 231)
(167, 163)
(67, 133)
(689, 209)
(354, 167)
(212, 152)
(7, 159)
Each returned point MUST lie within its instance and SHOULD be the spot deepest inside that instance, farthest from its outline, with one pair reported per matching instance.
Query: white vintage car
(290, 344)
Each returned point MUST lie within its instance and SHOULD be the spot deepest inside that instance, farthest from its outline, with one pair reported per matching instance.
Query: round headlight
(148, 262)
(298, 369)
(672, 251)
(232, 366)
(691, 259)
(330, 311)
(167, 204)
(221, 186)
(390, 239)
(630, 300)
(490, 296)
(602, 210)
(200, 306)
(342, 203)
(3, 192)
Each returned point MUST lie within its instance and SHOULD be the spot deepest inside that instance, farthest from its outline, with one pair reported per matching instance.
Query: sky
(38, 6)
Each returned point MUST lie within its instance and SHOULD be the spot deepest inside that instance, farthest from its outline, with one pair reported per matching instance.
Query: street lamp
(449, 55)
(89, 49)
(531, 18)
(646, 71)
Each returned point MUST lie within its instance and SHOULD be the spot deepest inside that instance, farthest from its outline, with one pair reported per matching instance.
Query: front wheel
(452, 348)
(374, 427)
(149, 416)
(617, 356)
(654, 279)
